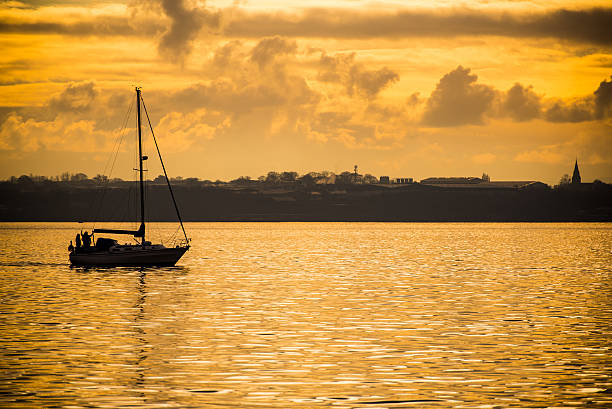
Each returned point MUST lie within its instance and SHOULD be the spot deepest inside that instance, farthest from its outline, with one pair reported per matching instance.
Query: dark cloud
(414, 99)
(75, 97)
(6, 111)
(603, 100)
(590, 26)
(224, 55)
(100, 26)
(605, 62)
(269, 48)
(15, 81)
(342, 69)
(521, 103)
(458, 100)
(570, 111)
(186, 24)
(336, 68)
(372, 82)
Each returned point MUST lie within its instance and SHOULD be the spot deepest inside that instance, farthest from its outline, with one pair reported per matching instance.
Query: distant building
(576, 176)
(477, 183)
(534, 186)
(384, 180)
(403, 181)
(451, 181)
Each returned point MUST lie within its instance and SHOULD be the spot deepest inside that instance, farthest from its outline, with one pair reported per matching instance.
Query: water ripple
(276, 315)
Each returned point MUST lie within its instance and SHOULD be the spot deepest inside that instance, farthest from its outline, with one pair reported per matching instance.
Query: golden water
(302, 315)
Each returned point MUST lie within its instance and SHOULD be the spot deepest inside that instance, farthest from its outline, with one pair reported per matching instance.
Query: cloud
(521, 103)
(548, 155)
(75, 97)
(60, 134)
(591, 107)
(589, 143)
(181, 131)
(13, 4)
(83, 118)
(458, 100)
(603, 100)
(176, 34)
(224, 55)
(260, 84)
(100, 26)
(372, 82)
(336, 68)
(361, 125)
(342, 69)
(185, 25)
(269, 48)
(104, 108)
(590, 26)
(258, 95)
(242, 88)
(579, 110)
(593, 26)
(80, 118)
(254, 88)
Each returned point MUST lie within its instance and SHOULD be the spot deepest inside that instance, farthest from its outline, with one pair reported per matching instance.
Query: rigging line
(127, 117)
(174, 239)
(115, 153)
(178, 214)
(120, 140)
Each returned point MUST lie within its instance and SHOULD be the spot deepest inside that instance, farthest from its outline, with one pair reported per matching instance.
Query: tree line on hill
(287, 196)
(271, 178)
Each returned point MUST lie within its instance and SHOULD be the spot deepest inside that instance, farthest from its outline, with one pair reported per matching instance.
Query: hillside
(56, 201)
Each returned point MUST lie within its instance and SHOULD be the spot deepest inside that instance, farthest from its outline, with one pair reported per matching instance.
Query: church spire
(576, 176)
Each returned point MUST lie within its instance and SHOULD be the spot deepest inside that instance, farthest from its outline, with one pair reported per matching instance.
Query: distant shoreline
(326, 221)
(414, 203)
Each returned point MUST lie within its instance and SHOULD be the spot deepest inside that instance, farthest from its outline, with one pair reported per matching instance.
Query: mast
(142, 205)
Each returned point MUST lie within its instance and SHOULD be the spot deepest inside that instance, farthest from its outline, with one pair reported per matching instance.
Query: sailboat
(108, 252)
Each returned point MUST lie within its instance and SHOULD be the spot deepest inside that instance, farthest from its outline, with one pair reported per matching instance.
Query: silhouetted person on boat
(86, 240)
(77, 240)
(71, 247)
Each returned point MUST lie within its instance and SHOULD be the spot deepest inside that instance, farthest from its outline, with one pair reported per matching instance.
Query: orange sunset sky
(517, 89)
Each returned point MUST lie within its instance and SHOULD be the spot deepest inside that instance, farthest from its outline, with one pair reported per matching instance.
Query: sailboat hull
(135, 256)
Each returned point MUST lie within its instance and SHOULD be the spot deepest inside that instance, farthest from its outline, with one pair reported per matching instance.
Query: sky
(516, 89)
